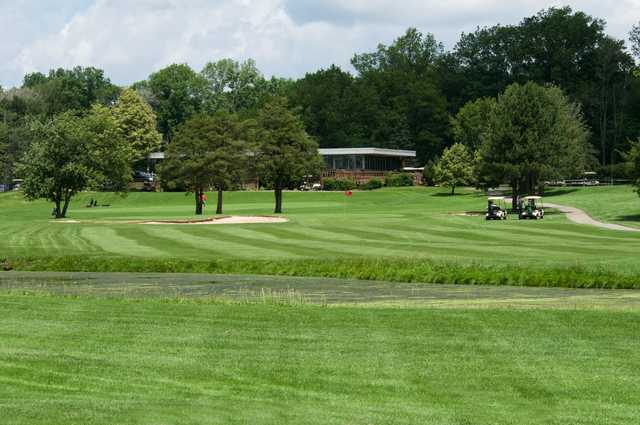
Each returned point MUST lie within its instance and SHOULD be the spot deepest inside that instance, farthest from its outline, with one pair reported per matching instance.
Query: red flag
(349, 193)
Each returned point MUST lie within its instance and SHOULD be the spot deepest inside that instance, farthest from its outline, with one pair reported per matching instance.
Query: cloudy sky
(132, 38)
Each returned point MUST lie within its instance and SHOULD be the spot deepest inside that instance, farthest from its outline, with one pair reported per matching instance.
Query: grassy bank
(391, 270)
(104, 361)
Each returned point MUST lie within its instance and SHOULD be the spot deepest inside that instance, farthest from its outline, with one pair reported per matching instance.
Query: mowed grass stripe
(251, 237)
(200, 241)
(122, 240)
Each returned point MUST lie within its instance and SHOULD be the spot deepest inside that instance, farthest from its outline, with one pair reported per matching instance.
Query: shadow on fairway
(634, 217)
(449, 195)
(559, 192)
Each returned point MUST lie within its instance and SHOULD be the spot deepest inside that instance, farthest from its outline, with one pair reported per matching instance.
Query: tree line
(549, 97)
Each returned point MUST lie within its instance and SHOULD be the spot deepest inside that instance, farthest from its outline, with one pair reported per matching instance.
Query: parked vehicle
(496, 208)
(531, 208)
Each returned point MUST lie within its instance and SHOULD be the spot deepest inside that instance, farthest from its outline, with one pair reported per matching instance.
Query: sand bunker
(223, 220)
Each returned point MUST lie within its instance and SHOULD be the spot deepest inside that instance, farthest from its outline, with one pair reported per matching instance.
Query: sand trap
(224, 220)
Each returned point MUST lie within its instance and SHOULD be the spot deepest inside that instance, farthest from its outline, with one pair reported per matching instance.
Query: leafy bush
(398, 180)
(374, 183)
(339, 184)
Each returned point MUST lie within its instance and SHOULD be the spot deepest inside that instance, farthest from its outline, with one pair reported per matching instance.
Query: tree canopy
(178, 94)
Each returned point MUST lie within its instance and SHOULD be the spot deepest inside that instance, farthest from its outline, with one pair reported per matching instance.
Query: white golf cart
(531, 208)
(496, 208)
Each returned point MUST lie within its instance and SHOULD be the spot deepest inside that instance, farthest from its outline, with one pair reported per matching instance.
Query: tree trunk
(278, 194)
(198, 194)
(453, 189)
(219, 209)
(58, 211)
(67, 198)
(515, 193)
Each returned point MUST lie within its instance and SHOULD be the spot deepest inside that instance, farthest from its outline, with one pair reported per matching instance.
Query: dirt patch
(222, 220)
(468, 214)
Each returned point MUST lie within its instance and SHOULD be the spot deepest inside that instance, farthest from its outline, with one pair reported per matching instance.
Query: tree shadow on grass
(449, 195)
(559, 192)
(634, 217)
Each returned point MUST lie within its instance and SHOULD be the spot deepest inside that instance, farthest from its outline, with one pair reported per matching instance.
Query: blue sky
(131, 39)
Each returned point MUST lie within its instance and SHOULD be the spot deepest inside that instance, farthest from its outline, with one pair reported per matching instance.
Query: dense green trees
(410, 94)
(283, 152)
(558, 46)
(71, 153)
(533, 133)
(207, 152)
(71, 89)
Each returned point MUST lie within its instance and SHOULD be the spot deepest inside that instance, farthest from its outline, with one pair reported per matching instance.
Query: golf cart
(496, 209)
(531, 208)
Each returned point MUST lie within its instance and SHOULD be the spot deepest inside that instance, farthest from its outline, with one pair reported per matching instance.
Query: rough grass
(104, 361)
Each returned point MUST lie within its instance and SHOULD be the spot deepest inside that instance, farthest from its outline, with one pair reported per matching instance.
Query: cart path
(579, 216)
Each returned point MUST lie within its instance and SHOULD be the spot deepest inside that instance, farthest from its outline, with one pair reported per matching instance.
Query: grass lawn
(92, 360)
(615, 204)
(413, 234)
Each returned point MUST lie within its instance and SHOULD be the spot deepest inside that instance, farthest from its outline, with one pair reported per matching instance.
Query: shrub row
(390, 180)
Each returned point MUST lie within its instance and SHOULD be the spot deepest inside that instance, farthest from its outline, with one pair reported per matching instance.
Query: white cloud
(130, 39)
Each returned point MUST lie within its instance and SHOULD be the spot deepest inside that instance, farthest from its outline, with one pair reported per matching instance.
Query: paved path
(578, 216)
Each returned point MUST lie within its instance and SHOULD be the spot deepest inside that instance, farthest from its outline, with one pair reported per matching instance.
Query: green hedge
(339, 184)
(398, 180)
(374, 183)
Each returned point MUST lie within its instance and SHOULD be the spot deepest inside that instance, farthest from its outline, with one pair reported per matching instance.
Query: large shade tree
(533, 133)
(207, 152)
(283, 152)
(71, 153)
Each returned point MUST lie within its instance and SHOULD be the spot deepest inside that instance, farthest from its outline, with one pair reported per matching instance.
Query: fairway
(413, 224)
(95, 360)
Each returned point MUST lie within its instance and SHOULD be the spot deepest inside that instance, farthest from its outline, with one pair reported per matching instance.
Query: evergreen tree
(284, 152)
(207, 152)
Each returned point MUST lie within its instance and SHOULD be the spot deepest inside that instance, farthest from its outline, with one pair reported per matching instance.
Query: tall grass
(387, 269)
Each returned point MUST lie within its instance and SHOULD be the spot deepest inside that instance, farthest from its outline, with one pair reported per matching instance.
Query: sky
(130, 39)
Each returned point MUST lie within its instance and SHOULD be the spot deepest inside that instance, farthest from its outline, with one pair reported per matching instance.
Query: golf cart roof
(496, 198)
(535, 198)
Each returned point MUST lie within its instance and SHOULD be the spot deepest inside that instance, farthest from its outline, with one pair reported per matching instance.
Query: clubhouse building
(359, 164)
(363, 164)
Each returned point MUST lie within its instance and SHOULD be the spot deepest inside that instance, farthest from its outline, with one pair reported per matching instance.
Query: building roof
(369, 151)
(396, 153)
